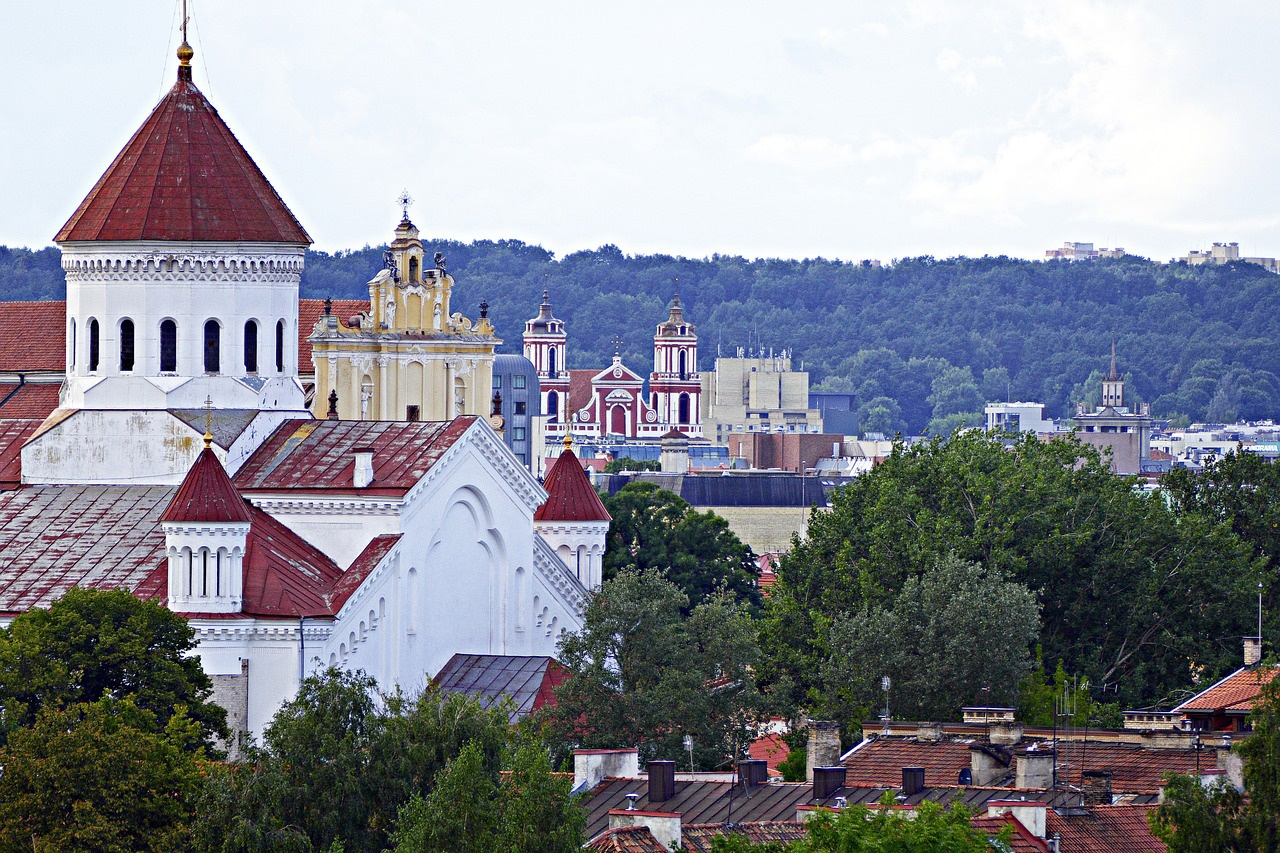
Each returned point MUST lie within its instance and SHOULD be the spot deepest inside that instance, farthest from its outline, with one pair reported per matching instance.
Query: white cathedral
(181, 461)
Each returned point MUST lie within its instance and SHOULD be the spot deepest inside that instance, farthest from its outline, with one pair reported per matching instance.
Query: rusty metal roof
(183, 176)
(319, 456)
(528, 681)
(206, 494)
(570, 496)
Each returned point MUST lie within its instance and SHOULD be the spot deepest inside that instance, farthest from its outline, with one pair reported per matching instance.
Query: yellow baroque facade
(408, 357)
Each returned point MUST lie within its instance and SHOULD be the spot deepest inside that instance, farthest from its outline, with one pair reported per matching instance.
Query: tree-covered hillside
(918, 340)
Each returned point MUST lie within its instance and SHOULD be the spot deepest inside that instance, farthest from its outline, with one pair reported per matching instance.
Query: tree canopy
(654, 528)
(94, 643)
(643, 674)
(1131, 592)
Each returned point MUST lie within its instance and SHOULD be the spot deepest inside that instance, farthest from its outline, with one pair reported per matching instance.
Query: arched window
(553, 406)
(93, 345)
(168, 347)
(684, 364)
(413, 269)
(251, 346)
(73, 341)
(684, 408)
(126, 345)
(280, 346)
(551, 363)
(212, 346)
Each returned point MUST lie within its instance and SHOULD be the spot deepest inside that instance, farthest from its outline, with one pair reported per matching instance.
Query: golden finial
(208, 422)
(184, 50)
(568, 439)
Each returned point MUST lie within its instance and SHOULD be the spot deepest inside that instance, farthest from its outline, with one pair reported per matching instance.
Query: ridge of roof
(570, 495)
(183, 176)
(207, 495)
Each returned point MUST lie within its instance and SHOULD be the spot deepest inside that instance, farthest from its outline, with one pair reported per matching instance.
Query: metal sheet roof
(528, 681)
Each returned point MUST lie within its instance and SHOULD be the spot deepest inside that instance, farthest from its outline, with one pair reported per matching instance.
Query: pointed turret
(207, 495)
(574, 521)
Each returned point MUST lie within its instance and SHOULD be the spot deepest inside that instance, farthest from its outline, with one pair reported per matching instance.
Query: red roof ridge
(570, 495)
(207, 495)
(183, 176)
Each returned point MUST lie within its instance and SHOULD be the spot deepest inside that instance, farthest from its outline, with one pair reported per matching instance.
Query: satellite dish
(966, 776)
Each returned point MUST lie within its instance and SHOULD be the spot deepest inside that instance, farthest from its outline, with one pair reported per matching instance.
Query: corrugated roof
(528, 681)
(311, 310)
(1105, 829)
(183, 176)
(570, 495)
(319, 456)
(207, 495)
(21, 351)
(1236, 692)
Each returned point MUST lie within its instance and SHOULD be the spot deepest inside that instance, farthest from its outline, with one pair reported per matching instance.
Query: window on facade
(412, 413)
(73, 342)
(280, 346)
(126, 345)
(93, 345)
(168, 347)
(517, 434)
(551, 364)
(497, 382)
(413, 269)
(251, 347)
(212, 347)
(520, 407)
(553, 405)
(518, 381)
(684, 408)
(684, 364)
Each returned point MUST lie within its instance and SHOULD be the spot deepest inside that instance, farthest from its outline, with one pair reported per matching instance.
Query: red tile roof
(319, 456)
(570, 496)
(183, 176)
(32, 400)
(627, 839)
(698, 837)
(880, 761)
(1105, 829)
(21, 351)
(14, 433)
(311, 310)
(771, 749)
(207, 495)
(1236, 692)
(1022, 840)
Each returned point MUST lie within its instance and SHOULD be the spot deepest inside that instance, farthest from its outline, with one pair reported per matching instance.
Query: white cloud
(801, 152)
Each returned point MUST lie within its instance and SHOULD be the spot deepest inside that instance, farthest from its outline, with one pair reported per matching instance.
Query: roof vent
(826, 781)
(662, 781)
(364, 467)
(752, 772)
(912, 780)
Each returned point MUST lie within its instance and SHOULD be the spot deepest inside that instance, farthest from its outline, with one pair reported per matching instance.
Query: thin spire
(184, 50)
(1112, 376)
(208, 421)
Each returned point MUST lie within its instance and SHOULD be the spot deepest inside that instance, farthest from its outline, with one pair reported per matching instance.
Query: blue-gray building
(515, 381)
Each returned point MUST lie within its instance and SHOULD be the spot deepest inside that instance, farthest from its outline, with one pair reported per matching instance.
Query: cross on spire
(404, 200)
(208, 422)
(617, 346)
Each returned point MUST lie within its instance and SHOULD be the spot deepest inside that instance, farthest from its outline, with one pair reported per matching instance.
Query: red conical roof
(207, 494)
(571, 497)
(185, 177)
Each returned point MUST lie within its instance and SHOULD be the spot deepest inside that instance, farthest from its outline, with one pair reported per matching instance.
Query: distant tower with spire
(675, 387)
(1113, 385)
(1114, 429)
(545, 342)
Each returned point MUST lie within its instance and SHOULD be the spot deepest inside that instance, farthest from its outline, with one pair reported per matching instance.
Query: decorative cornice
(321, 505)
(558, 577)
(161, 266)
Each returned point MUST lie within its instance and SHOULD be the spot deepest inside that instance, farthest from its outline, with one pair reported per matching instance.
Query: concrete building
(1112, 427)
(1018, 417)
(1071, 251)
(756, 394)
(1225, 253)
(517, 398)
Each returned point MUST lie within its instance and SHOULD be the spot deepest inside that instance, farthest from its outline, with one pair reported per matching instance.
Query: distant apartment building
(517, 398)
(1225, 253)
(756, 394)
(1081, 252)
(1018, 417)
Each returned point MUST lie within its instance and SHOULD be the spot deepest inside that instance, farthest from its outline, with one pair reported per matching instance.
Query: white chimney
(1030, 814)
(364, 467)
(663, 826)
(591, 766)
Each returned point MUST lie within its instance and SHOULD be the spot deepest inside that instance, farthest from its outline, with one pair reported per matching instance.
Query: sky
(836, 129)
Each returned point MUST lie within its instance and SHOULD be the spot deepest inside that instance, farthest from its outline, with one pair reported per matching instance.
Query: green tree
(1261, 754)
(858, 829)
(95, 643)
(653, 528)
(882, 415)
(1195, 819)
(1131, 591)
(626, 463)
(972, 625)
(530, 810)
(338, 762)
(100, 776)
(644, 674)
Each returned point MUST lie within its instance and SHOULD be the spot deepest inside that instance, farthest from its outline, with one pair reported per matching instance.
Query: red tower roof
(185, 177)
(571, 496)
(207, 494)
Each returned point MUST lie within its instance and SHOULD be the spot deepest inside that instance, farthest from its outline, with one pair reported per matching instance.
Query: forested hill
(917, 340)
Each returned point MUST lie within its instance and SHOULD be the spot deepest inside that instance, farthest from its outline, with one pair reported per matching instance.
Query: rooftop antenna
(688, 745)
(1259, 620)
(885, 684)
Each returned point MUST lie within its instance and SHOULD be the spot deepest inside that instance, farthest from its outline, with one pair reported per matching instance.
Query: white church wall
(124, 447)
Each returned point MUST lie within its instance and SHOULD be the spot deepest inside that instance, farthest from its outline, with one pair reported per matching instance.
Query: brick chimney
(1030, 815)
(988, 763)
(1252, 651)
(823, 746)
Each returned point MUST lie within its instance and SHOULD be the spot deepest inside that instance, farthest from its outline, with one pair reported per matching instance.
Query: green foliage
(653, 528)
(955, 635)
(528, 811)
(337, 764)
(1195, 819)
(644, 674)
(1039, 698)
(1132, 593)
(795, 767)
(101, 776)
(858, 829)
(95, 643)
(1261, 754)
(626, 463)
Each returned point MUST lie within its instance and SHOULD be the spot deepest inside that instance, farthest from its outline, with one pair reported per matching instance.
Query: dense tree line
(917, 341)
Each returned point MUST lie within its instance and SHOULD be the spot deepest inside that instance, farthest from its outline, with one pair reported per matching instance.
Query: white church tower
(182, 268)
